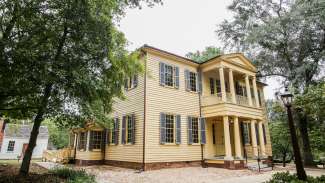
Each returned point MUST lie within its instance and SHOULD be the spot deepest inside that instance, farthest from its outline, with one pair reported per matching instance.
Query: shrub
(74, 176)
(286, 177)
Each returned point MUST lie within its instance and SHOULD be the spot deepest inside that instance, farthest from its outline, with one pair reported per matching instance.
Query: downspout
(144, 113)
(200, 110)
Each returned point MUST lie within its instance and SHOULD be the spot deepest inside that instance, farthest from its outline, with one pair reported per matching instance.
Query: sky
(180, 26)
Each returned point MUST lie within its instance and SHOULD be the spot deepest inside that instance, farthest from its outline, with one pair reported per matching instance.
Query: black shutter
(257, 134)
(162, 128)
(117, 130)
(213, 134)
(203, 135)
(242, 133)
(211, 86)
(189, 130)
(176, 77)
(133, 129)
(124, 130)
(135, 81)
(162, 73)
(187, 80)
(264, 134)
(178, 129)
(104, 137)
(108, 134)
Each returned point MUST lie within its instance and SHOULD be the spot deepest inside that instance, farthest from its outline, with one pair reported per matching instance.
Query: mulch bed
(9, 174)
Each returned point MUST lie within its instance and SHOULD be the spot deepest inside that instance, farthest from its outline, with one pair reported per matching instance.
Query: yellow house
(182, 113)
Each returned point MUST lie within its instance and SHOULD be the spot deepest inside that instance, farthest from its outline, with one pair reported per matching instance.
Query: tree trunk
(24, 169)
(284, 160)
(303, 129)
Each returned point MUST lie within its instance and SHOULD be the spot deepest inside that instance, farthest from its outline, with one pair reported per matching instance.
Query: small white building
(15, 140)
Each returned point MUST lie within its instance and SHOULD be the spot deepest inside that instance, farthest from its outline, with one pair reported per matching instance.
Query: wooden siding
(89, 155)
(133, 104)
(169, 100)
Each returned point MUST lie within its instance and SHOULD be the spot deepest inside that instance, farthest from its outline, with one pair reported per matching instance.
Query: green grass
(73, 176)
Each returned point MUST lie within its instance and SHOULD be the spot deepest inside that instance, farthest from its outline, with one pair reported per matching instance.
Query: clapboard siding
(133, 104)
(169, 100)
(89, 155)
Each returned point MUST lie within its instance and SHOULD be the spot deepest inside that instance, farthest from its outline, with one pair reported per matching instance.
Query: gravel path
(49, 165)
(109, 174)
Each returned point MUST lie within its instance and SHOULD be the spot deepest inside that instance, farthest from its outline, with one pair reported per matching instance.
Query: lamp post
(286, 98)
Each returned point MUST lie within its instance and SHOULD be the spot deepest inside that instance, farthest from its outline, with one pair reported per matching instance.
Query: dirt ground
(187, 175)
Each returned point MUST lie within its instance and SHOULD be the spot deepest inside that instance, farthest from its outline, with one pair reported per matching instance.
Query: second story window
(131, 82)
(191, 81)
(169, 75)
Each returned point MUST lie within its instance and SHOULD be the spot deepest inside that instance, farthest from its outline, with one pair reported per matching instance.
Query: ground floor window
(82, 141)
(96, 139)
(170, 128)
(195, 130)
(128, 129)
(11, 146)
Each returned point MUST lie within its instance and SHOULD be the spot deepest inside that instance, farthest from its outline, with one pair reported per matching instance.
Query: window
(131, 82)
(169, 80)
(195, 130)
(218, 86)
(246, 133)
(128, 129)
(192, 81)
(169, 75)
(82, 141)
(211, 86)
(11, 146)
(96, 139)
(169, 128)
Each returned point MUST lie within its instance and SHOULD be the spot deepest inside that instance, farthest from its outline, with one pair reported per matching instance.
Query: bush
(74, 176)
(286, 177)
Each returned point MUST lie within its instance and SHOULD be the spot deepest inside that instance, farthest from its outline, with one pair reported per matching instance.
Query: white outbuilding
(15, 140)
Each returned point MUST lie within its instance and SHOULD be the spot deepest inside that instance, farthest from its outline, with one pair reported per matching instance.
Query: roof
(23, 131)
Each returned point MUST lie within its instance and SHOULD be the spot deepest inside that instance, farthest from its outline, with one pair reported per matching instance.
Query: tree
(280, 136)
(284, 38)
(63, 60)
(208, 53)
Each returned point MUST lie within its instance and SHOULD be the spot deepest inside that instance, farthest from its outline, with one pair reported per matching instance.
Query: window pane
(169, 75)
(11, 146)
(96, 139)
(129, 129)
(169, 129)
(193, 81)
(195, 130)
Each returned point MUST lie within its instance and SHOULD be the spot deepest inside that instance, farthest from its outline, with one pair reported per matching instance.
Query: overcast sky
(179, 26)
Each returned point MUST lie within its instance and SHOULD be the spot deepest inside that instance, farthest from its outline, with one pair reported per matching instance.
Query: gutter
(144, 113)
(200, 109)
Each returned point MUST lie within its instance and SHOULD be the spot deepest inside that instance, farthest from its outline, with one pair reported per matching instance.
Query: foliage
(284, 38)
(59, 136)
(208, 53)
(280, 136)
(74, 176)
(286, 177)
(62, 59)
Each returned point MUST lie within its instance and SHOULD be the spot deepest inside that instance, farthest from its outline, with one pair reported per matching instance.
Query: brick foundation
(124, 164)
(80, 162)
(231, 165)
(180, 164)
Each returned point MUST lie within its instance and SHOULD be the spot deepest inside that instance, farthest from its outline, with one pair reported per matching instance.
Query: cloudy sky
(179, 26)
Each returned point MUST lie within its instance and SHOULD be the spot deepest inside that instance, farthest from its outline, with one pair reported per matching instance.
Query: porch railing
(241, 100)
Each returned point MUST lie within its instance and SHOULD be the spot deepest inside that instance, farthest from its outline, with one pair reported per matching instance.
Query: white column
(248, 90)
(227, 138)
(223, 86)
(261, 136)
(88, 140)
(75, 140)
(232, 86)
(237, 138)
(254, 140)
(255, 92)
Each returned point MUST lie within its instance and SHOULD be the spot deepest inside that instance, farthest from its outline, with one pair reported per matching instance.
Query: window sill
(96, 150)
(195, 144)
(170, 144)
(170, 87)
(128, 144)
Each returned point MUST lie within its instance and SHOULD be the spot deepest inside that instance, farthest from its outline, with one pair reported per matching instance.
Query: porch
(232, 140)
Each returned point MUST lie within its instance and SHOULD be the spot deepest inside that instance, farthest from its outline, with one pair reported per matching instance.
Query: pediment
(240, 60)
